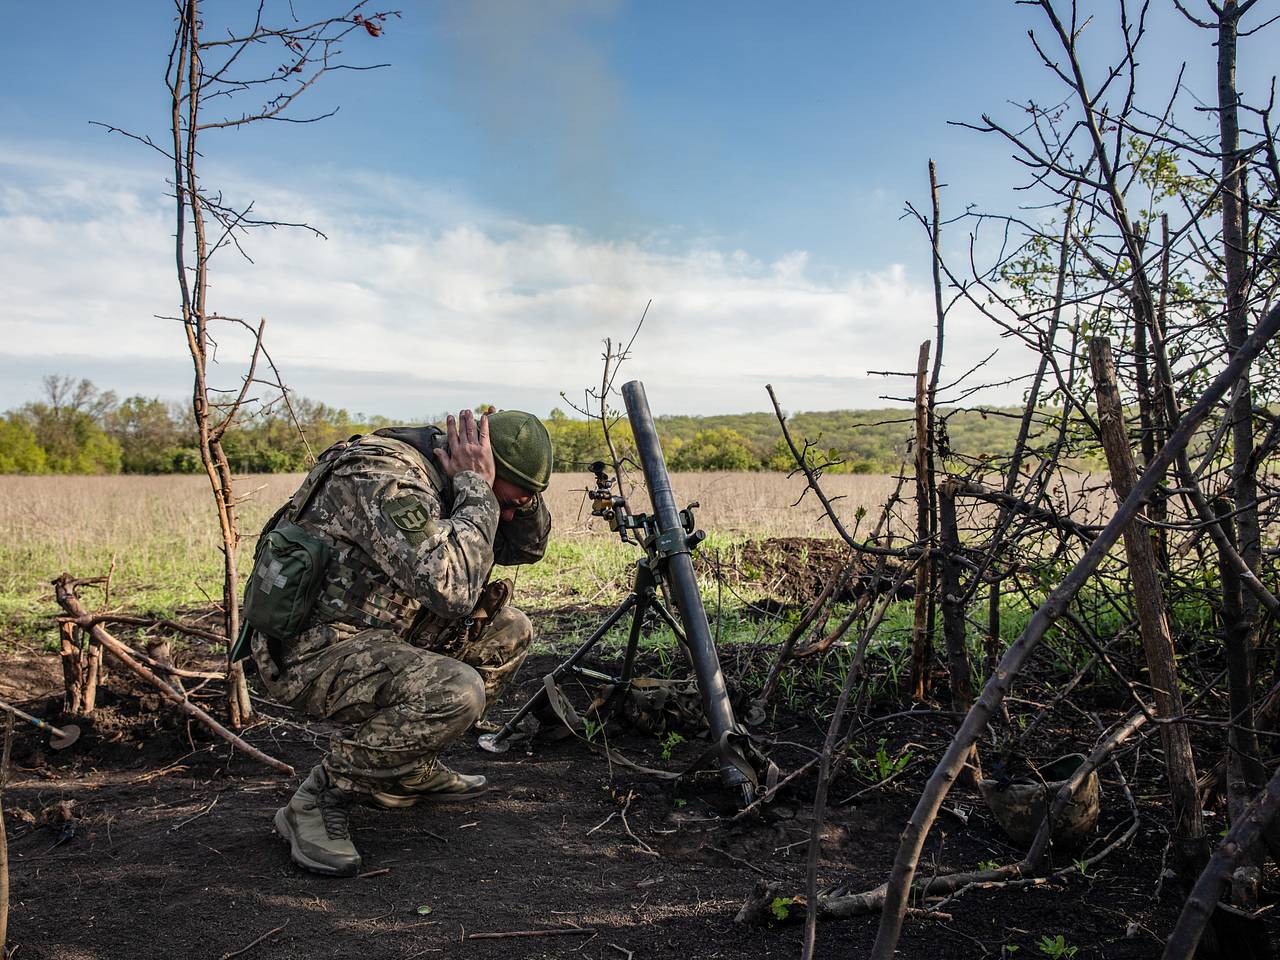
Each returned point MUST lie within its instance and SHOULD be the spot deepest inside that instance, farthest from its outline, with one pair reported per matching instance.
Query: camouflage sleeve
(444, 561)
(523, 538)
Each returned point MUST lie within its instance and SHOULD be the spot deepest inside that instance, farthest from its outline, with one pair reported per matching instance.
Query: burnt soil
(150, 839)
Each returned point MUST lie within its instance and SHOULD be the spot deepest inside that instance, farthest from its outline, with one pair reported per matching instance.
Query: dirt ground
(147, 840)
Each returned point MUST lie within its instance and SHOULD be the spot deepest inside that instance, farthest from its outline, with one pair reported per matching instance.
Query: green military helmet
(522, 451)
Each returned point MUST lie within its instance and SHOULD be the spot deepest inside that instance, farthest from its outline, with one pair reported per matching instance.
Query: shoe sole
(387, 802)
(283, 829)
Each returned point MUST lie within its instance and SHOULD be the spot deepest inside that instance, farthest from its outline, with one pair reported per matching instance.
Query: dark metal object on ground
(59, 737)
(668, 536)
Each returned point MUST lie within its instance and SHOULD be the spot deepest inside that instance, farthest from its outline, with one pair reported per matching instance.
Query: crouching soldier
(370, 605)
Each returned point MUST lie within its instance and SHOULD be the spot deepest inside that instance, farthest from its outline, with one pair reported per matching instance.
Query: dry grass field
(162, 533)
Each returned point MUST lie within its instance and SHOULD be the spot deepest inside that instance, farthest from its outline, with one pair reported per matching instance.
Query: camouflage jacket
(404, 536)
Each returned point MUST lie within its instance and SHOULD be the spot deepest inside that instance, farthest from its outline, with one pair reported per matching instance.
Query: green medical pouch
(288, 572)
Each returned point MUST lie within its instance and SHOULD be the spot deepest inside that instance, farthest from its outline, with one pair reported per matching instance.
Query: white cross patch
(271, 577)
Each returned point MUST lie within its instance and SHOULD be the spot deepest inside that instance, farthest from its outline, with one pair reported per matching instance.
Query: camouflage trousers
(400, 704)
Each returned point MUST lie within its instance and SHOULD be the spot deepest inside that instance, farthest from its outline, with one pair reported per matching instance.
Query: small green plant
(881, 767)
(788, 683)
(781, 907)
(990, 865)
(1082, 866)
(669, 743)
(591, 728)
(681, 803)
(886, 766)
(1056, 948)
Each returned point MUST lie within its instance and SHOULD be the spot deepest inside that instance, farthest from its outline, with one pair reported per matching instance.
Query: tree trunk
(1240, 607)
(1191, 846)
(186, 90)
(1234, 241)
(921, 638)
(90, 675)
(953, 621)
(953, 624)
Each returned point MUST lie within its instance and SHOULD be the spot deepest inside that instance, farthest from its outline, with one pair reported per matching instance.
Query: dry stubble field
(162, 533)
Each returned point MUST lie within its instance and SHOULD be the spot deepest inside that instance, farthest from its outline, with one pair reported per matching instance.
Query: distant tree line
(77, 428)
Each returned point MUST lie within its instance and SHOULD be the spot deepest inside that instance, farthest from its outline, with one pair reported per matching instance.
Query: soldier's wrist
(529, 509)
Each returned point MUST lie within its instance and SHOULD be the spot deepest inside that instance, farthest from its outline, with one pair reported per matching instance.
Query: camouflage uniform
(412, 551)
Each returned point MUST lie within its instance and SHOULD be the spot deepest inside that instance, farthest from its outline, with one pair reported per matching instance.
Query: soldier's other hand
(467, 446)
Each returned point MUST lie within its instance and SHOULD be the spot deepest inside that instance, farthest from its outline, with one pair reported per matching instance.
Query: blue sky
(521, 180)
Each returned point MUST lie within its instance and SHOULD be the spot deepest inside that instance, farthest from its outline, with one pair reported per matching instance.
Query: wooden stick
(921, 641)
(249, 946)
(71, 680)
(64, 590)
(175, 626)
(1191, 846)
(509, 934)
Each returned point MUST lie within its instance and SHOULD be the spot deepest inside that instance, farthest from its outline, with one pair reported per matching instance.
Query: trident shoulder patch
(410, 514)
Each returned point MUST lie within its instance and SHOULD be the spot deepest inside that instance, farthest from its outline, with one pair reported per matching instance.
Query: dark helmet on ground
(522, 451)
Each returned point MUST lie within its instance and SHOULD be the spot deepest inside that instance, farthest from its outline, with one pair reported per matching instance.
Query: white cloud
(419, 301)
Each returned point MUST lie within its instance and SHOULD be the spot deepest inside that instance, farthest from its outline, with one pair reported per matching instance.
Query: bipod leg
(497, 742)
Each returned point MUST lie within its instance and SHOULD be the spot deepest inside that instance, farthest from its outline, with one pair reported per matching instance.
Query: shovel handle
(40, 724)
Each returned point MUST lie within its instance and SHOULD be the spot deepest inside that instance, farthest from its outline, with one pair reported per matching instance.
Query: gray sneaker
(436, 782)
(314, 822)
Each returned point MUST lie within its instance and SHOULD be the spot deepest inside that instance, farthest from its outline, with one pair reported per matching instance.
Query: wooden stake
(71, 678)
(89, 674)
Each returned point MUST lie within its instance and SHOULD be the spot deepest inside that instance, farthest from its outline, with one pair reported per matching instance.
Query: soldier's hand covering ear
(467, 447)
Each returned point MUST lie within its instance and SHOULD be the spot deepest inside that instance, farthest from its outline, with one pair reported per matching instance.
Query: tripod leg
(496, 742)
(671, 622)
(644, 600)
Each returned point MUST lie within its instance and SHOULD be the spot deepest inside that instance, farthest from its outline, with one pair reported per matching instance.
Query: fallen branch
(509, 934)
(175, 626)
(249, 946)
(64, 591)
